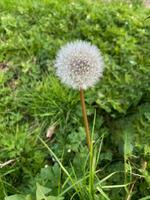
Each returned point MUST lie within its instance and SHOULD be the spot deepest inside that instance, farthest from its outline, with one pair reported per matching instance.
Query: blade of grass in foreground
(145, 198)
(60, 164)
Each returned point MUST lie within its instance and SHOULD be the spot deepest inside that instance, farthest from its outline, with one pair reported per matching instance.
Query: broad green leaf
(16, 197)
(41, 192)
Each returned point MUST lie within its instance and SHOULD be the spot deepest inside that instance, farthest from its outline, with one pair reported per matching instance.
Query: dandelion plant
(79, 65)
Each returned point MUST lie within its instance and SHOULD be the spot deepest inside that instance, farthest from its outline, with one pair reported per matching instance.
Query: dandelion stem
(87, 131)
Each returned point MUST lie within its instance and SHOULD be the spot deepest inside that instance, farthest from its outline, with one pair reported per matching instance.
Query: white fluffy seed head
(79, 64)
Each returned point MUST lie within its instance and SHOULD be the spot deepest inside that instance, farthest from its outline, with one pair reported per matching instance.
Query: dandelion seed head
(79, 64)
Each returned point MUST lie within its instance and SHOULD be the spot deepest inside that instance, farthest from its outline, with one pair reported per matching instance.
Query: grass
(89, 183)
(32, 100)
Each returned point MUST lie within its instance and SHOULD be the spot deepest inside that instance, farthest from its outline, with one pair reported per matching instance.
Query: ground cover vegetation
(32, 101)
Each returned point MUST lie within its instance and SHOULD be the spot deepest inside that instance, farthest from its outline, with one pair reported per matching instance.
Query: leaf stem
(84, 113)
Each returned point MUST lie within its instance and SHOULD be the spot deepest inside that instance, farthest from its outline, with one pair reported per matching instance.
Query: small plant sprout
(79, 65)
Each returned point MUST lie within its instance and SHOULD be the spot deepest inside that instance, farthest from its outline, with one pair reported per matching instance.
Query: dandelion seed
(79, 65)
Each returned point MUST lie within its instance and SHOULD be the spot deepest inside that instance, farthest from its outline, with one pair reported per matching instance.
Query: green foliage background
(32, 99)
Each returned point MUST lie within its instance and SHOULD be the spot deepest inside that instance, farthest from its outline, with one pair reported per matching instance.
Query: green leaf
(54, 198)
(145, 198)
(16, 197)
(103, 193)
(41, 192)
